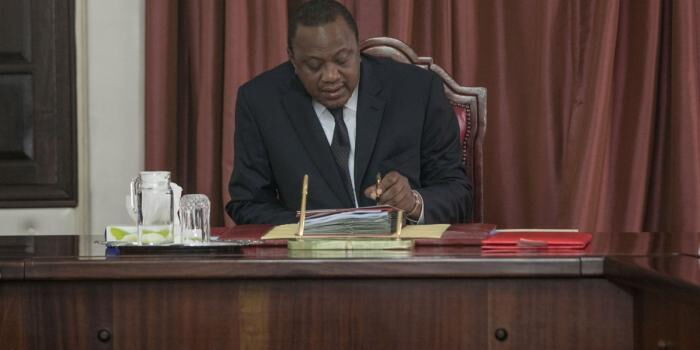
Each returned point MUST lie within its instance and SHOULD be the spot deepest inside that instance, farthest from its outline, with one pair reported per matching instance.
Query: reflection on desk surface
(603, 244)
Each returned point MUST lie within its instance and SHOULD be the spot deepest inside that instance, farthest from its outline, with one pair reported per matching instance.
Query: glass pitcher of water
(152, 202)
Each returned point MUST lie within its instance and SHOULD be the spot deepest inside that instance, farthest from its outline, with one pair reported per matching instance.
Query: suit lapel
(307, 126)
(369, 118)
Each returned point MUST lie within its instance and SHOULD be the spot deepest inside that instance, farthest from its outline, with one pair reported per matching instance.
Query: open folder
(537, 240)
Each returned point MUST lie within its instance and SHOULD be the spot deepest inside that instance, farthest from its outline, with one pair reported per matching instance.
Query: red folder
(537, 240)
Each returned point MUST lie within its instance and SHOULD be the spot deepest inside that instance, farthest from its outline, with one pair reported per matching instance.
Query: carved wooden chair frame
(471, 99)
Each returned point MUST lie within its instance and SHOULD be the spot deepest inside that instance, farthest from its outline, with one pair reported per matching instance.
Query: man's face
(327, 61)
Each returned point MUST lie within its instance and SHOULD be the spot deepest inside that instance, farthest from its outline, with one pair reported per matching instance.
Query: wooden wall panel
(38, 157)
(15, 29)
(16, 129)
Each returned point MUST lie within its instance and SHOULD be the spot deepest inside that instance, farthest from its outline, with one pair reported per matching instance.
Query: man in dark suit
(343, 118)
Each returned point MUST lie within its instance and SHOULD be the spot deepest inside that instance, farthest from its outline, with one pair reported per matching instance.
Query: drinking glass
(194, 219)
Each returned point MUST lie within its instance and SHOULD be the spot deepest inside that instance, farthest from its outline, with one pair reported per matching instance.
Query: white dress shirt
(350, 119)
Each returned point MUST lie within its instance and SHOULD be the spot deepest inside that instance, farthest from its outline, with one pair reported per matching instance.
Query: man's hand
(394, 190)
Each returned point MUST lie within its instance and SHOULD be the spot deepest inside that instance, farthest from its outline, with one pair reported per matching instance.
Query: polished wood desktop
(624, 291)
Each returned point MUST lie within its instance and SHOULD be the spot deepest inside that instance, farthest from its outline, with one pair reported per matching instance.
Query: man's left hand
(394, 190)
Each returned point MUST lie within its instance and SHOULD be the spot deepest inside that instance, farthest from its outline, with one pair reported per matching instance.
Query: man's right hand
(394, 190)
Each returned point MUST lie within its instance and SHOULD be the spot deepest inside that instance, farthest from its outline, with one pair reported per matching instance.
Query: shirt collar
(350, 104)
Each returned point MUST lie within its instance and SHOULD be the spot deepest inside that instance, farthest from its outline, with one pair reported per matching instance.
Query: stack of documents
(379, 220)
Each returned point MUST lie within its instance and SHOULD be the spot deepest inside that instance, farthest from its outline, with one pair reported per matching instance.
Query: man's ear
(290, 55)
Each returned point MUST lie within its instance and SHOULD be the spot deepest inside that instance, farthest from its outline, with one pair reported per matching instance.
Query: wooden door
(38, 159)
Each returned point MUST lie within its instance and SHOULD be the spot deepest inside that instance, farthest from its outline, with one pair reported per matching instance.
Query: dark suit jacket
(404, 123)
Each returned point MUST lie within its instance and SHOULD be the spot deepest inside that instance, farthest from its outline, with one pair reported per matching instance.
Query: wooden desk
(608, 296)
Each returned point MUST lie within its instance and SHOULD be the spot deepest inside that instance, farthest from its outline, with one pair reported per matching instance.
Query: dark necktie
(340, 146)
